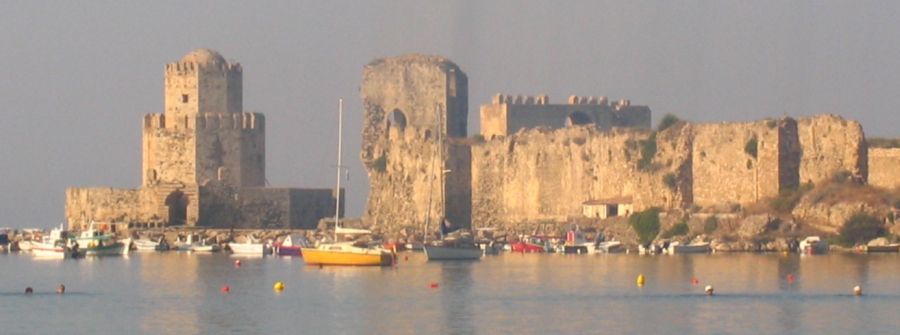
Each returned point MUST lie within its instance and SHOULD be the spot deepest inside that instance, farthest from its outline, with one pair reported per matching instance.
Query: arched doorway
(177, 203)
(578, 119)
(397, 119)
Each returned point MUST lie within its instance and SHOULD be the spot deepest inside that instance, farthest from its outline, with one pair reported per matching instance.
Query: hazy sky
(78, 76)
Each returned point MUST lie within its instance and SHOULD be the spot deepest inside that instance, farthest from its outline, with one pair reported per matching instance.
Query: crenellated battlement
(543, 99)
(209, 121)
(509, 99)
(182, 68)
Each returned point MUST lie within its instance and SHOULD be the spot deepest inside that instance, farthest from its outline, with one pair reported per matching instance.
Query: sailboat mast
(337, 202)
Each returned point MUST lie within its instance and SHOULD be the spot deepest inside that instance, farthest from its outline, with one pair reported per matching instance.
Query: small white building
(607, 208)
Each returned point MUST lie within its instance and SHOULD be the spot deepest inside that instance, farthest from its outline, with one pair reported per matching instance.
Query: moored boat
(93, 242)
(609, 247)
(342, 253)
(813, 245)
(291, 246)
(146, 244)
(692, 248)
(53, 246)
(250, 247)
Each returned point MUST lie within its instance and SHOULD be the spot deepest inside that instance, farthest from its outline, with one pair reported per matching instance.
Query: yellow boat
(346, 254)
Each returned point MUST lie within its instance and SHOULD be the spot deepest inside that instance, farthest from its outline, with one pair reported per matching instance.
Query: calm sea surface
(180, 293)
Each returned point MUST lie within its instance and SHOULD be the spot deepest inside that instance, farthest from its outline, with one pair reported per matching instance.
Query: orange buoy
(791, 278)
(434, 285)
(695, 281)
(237, 263)
(406, 258)
(226, 289)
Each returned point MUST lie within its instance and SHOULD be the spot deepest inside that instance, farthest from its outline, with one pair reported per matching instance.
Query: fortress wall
(540, 175)
(407, 101)
(253, 150)
(507, 114)
(831, 144)
(308, 206)
(723, 170)
(169, 154)
(884, 167)
(108, 205)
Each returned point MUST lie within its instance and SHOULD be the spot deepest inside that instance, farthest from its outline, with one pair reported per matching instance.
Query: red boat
(534, 244)
(290, 246)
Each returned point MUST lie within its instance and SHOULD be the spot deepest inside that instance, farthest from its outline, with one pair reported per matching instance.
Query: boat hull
(313, 256)
(526, 247)
(690, 249)
(44, 250)
(115, 249)
(436, 253)
(286, 250)
(255, 249)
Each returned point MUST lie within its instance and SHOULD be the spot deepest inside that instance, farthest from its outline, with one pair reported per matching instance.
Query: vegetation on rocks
(648, 150)
(645, 224)
(710, 225)
(667, 121)
(860, 228)
(679, 229)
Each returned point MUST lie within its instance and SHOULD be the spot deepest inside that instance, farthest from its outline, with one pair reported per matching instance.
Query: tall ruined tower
(416, 110)
(203, 137)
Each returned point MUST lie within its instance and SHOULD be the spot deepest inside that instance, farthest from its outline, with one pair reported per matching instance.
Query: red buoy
(237, 263)
(790, 279)
(434, 285)
(226, 289)
(695, 281)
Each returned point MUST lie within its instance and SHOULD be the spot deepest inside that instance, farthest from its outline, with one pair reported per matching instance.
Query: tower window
(184, 98)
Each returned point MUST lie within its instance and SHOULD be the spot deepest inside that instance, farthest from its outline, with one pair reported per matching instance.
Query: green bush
(670, 181)
(710, 225)
(648, 150)
(645, 224)
(788, 199)
(751, 147)
(679, 229)
(667, 121)
(860, 228)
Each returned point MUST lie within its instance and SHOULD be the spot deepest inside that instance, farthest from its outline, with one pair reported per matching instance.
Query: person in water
(61, 289)
(29, 290)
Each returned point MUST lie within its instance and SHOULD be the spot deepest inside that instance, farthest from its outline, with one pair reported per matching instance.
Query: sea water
(181, 293)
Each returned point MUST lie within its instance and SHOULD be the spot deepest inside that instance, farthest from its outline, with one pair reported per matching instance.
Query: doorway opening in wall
(397, 119)
(177, 203)
(578, 118)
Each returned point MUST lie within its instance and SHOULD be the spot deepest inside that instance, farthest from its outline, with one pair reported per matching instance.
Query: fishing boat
(576, 243)
(609, 247)
(205, 246)
(813, 245)
(53, 246)
(291, 246)
(94, 242)
(250, 247)
(146, 244)
(4, 239)
(344, 253)
(692, 248)
(529, 244)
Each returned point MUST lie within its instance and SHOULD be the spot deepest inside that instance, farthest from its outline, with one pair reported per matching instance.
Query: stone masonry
(203, 162)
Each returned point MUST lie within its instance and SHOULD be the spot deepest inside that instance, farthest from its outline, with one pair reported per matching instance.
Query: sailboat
(456, 248)
(345, 253)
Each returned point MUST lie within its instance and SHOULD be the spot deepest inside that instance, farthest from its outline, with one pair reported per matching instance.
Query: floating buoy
(791, 279)
(709, 290)
(279, 286)
(857, 291)
(406, 258)
(226, 288)
(434, 285)
(640, 280)
(237, 263)
(695, 281)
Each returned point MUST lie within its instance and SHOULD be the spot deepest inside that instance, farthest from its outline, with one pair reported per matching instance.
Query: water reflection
(455, 297)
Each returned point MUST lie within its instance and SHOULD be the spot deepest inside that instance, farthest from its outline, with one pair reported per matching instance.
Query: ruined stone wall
(109, 205)
(507, 114)
(729, 168)
(169, 152)
(413, 106)
(223, 206)
(884, 167)
(308, 206)
(831, 144)
(545, 175)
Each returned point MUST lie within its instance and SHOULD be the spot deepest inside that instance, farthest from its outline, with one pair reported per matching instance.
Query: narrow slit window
(184, 98)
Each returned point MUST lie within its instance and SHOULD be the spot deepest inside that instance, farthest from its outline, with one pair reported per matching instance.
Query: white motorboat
(146, 244)
(53, 246)
(693, 248)
(609, 247)
(813, 245)
(250, 247)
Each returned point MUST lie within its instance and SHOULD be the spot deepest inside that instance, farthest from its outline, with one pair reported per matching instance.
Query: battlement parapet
(247, 121)
(509, 99)
(588, 100)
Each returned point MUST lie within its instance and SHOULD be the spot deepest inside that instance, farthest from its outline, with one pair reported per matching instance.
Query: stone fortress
(538, 162)
(203, 162)
(532, 161)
